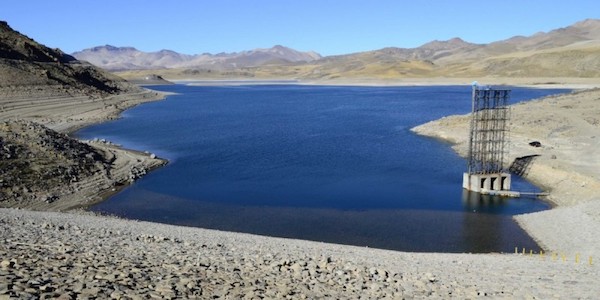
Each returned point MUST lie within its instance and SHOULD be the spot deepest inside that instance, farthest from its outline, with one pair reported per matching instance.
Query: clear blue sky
(328, 27)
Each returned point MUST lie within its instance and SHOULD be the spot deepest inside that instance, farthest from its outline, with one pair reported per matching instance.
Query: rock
(6, 264)
(324, 262)
(296, 267)
(46, 288)
(430, 277)
(535, 144)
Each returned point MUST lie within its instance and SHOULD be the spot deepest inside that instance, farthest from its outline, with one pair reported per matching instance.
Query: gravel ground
(82, 256)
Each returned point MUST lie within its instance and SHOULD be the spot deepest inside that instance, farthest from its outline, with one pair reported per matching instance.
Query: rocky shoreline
(45, 169)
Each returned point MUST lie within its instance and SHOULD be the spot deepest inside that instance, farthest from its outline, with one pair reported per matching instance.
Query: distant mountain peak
(107, 48)
(452, 43)
(456, 40)
(587, 23)
(589, 28)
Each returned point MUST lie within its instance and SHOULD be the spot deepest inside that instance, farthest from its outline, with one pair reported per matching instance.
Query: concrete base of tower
(487, 183)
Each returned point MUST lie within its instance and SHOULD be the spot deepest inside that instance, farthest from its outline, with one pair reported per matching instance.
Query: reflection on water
(473, 201)
(414, 230)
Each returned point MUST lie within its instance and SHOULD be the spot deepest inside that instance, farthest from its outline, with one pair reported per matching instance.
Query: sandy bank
(567, 164)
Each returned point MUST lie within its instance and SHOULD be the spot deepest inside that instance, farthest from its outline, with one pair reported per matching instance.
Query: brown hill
(25, 63)
(571, 51)
(580, 59)
(581, 31)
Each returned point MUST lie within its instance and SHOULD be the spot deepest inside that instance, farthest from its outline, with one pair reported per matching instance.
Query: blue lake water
(325, 163)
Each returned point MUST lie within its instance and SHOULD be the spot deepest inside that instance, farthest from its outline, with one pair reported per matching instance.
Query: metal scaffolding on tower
(488, 130)
(488, 140)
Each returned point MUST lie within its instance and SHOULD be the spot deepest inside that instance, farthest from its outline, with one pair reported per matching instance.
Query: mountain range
(572, 51)
(128, 58)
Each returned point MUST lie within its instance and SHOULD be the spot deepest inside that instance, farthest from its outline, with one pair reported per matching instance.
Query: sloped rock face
(14, 45)
(37, 163)
(24, 62)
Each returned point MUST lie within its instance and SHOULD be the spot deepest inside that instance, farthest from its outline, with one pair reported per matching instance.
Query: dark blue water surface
(324, 163)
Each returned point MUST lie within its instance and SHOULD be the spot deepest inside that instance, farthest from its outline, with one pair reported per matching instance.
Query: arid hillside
(573, 51)
(25, 63)
(44, 94)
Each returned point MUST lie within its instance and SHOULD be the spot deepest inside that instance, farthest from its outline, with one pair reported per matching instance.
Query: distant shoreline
(569, 83)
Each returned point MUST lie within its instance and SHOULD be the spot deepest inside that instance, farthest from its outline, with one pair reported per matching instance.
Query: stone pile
(137, 172)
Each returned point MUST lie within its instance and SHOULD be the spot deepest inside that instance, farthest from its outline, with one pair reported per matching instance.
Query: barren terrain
(569, 52)
(44, 95)
(45, 254)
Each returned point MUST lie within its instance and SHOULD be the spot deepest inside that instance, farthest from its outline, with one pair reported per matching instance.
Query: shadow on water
(477, 202)
(478, 230)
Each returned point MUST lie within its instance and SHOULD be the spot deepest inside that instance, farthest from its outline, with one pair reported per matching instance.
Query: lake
(325, 163)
